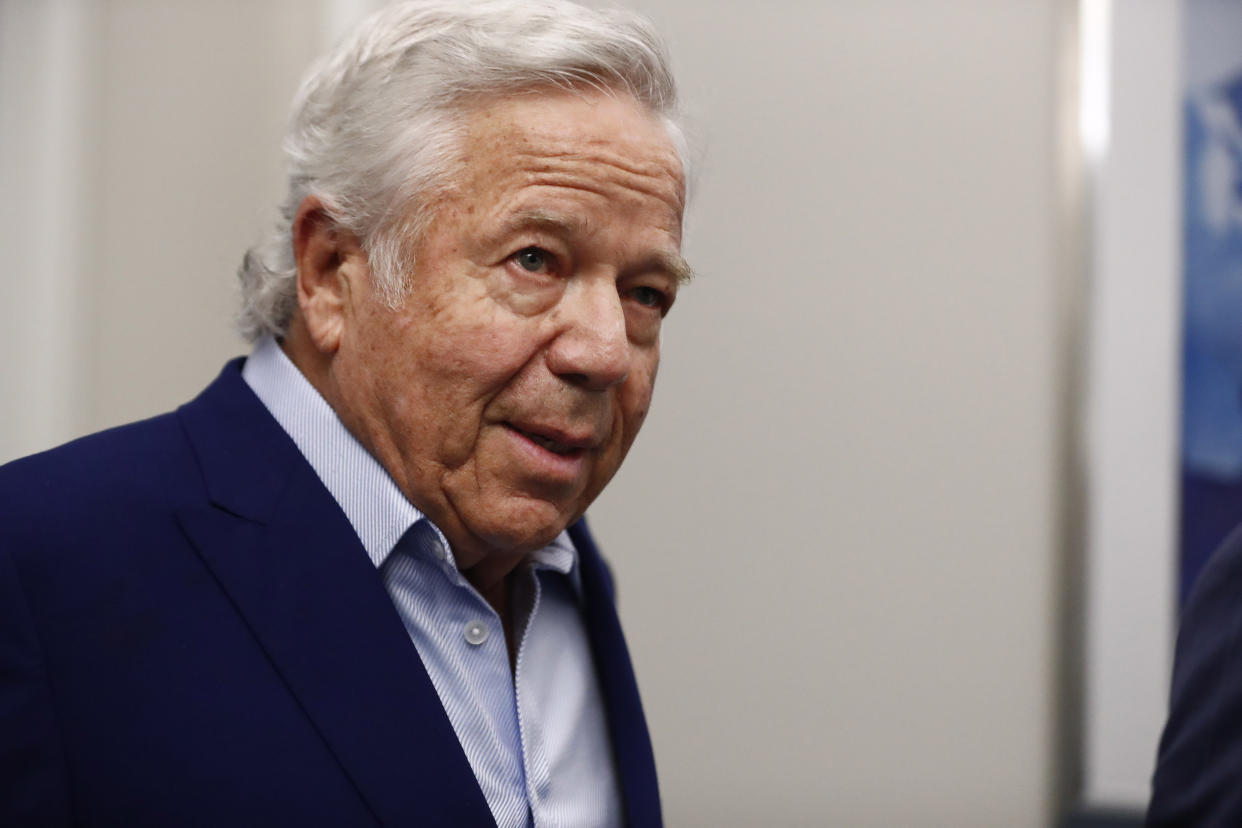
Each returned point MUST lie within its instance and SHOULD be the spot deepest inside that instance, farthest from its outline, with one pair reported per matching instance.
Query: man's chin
(522, 524)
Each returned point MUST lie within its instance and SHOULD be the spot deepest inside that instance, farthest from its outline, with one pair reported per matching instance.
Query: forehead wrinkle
(627, 165)
(536, 170)
(605, 188)
(641, 162)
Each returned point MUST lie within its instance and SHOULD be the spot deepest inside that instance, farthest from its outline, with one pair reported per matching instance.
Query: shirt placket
(534, 759)
(484, 649)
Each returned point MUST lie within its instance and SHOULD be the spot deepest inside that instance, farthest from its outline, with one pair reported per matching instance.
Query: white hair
(375, 126)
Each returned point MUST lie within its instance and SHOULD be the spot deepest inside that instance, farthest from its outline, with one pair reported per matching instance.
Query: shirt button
(476, 633)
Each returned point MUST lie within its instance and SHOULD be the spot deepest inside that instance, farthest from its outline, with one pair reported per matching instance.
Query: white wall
(836, 542)
(46, 54)
(195, 97)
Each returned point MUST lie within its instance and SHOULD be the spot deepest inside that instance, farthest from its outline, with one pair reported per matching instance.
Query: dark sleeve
(1198, 777)
(32, 767)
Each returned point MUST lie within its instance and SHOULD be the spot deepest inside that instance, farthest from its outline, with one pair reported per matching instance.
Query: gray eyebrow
(677, 266)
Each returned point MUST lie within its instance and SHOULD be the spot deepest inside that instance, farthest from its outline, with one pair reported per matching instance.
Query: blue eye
(648, 297)
(532, 259)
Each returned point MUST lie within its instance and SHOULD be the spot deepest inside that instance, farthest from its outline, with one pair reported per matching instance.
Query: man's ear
(329, 261)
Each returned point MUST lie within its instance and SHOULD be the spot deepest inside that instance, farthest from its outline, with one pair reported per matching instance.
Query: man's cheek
(482, 355)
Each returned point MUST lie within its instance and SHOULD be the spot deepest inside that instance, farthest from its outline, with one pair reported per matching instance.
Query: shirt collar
(370, 499)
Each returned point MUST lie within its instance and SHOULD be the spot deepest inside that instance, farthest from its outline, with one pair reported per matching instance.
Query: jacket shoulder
(94, 483)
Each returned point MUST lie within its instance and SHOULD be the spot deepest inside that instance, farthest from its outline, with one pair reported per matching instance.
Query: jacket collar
(631, 742)
(294, 568)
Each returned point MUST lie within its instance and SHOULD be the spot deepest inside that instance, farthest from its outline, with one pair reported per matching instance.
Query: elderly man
(349, 583)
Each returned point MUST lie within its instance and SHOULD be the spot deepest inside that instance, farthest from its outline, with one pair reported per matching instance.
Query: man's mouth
(564, 446)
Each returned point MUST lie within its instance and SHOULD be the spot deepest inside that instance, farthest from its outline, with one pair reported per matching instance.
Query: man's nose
(592, 349)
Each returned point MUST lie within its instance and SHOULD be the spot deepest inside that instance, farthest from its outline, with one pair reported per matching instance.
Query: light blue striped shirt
(536, 736)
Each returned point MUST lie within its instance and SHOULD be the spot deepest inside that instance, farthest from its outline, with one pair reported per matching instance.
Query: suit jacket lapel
(627, 725)
(290, 562)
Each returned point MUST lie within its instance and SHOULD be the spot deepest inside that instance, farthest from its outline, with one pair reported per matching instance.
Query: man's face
(506, 390)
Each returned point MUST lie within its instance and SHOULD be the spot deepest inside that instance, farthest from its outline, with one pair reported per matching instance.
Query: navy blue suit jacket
(1198, 777)
(192, 634)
